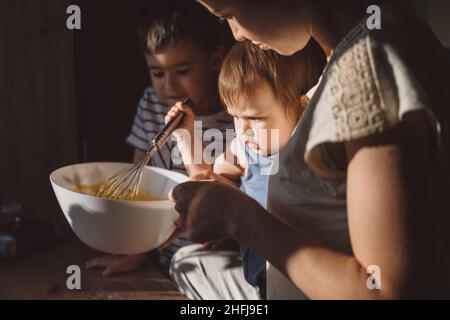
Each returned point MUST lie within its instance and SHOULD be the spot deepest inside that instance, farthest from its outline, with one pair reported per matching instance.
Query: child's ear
(217, 58)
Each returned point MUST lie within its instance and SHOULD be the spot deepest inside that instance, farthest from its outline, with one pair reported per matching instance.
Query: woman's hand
(114, 264)
(187, 125)
(201, 176)
(213, 210)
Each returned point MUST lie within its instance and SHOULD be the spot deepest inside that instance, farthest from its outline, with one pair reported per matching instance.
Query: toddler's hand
(114, 264)
(188, 121)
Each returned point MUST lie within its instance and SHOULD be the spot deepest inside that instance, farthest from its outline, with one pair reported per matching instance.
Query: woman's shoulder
(373, 80)
(381, 76)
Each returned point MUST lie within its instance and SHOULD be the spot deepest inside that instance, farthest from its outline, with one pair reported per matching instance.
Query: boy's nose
(170, 83)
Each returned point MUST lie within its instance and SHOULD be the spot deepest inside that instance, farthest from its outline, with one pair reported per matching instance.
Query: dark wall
(438, 15)
(65, 96)
(110, 78)
(38, 131)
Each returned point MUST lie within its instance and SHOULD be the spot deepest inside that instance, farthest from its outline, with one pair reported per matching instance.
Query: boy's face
(261, 121)
(181, 71)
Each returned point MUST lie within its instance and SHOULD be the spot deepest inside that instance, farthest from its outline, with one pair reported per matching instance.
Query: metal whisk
(124, 184)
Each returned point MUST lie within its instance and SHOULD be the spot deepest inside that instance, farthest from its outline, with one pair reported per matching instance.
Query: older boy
(183, 49)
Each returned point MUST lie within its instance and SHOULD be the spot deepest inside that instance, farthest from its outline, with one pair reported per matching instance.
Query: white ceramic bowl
(117, 226)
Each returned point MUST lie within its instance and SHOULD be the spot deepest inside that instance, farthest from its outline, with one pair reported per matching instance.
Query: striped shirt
(149, 120)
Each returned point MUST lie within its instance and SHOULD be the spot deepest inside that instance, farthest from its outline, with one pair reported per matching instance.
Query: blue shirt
(255, 185)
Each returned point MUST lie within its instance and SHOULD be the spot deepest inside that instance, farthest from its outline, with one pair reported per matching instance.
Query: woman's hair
(165, 22)
(290, 77)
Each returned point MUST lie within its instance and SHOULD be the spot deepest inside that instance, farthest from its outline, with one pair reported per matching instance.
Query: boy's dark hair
(166, 22)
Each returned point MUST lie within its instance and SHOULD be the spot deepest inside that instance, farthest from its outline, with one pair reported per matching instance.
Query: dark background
(70, 96)
(110, 77)
(65, 96)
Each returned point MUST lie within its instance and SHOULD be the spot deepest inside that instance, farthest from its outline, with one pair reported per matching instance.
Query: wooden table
(42, 275)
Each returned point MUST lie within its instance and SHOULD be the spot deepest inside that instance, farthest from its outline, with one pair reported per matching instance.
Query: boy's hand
(188, 120)
(114, 264)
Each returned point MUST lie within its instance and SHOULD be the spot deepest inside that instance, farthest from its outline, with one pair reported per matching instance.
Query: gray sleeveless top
(369, 85)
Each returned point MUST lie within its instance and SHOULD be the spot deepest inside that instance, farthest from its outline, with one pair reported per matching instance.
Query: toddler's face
(182, 70)
(261, 122)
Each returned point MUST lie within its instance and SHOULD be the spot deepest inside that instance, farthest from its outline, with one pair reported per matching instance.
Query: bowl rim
(156, 169)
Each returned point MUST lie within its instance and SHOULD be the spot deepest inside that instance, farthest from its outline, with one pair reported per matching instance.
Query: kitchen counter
(42, 275)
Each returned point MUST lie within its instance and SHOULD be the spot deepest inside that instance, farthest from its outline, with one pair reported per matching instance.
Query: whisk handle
(162, 137)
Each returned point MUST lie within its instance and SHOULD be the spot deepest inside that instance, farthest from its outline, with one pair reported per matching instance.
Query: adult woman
(363, 181)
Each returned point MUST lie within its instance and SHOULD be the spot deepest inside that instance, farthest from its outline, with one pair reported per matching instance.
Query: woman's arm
(387, 179)
(377, 209)
(385, 188)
